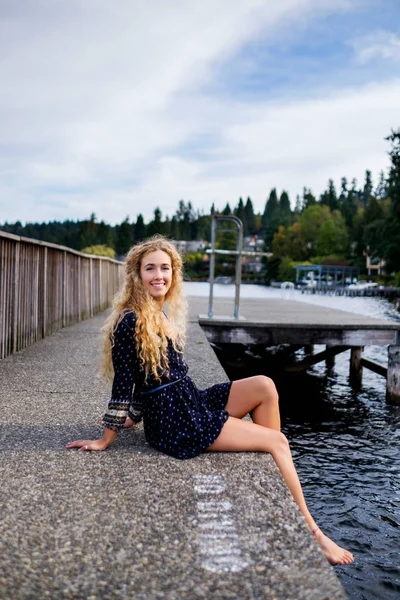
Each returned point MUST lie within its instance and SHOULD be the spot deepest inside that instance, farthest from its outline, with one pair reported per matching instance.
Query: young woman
(143, 349)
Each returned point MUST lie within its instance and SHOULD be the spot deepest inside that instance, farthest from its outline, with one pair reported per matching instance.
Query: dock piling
(330, 358)
(393, 376)
(356, 367)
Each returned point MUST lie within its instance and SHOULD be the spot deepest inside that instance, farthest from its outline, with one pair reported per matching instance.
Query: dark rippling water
(346, 447)
(346, 450)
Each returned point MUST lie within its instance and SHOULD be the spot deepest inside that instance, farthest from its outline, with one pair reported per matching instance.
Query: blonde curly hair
(152, 329)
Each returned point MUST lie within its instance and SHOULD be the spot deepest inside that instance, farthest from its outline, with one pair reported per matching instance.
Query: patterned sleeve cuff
(116, 414)
(135, 416)
(135, 411)
(112, 427)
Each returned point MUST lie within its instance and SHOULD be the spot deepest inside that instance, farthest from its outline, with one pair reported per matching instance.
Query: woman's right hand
(84, 445)
(108, 438)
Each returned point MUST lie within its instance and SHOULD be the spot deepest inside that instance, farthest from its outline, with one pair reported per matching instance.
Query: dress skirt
(181, 420)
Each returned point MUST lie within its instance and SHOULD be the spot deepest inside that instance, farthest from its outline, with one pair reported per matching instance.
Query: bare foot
(334, 553)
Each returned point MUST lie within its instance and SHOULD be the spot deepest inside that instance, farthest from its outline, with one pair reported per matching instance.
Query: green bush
(334, 260)
(99, 250)
(271, 265)
(194, 266)
(286, 270)
(396, 280)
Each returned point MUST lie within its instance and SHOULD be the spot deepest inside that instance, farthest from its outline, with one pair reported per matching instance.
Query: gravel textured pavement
(131, 522)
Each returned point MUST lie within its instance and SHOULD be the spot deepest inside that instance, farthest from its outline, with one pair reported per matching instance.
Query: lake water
(346, 447)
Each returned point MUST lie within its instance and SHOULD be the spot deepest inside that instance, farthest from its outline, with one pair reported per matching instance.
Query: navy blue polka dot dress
(179, 419)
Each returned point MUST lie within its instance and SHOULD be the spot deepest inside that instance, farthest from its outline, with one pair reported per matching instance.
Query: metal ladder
(215, 219)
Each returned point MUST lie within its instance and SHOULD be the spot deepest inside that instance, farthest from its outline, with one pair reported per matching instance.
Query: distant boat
(362, 285)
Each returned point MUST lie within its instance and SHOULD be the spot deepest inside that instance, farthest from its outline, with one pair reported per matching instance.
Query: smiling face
(156, 274)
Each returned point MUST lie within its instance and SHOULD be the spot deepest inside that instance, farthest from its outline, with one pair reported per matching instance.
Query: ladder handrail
(215, 218)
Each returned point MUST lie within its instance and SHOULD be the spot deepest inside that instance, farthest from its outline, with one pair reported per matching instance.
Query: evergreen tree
(373, 211)
(194, 226)
(343, 192)
(270, 219)
(354, 186)
(285, 216)
(381, 188)
(357, 192)
(167, 226)
(225, 239)
(349, 205)
(87, 232)
(174, 231)
(368, 187)
(308, 199)
(240, 213)
(298, 207)
(133, 234)
(124, 239)
(204, 227)
(193, 221)
(185, 216)
(140, 229)
(250, 217)
(390, 246)
(329, 197)
(156, 225)
(105, 235)
(372, 225)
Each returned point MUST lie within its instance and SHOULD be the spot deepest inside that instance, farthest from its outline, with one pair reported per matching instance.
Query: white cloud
(285, 145)
(103, 104)
(379, 44)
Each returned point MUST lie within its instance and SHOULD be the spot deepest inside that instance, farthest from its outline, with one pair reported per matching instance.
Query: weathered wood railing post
(44, 285)
(36, 296)
(393, 372)
(79, 290)
(16, 296)
(91, 291)
(64, 290)
(100, 284)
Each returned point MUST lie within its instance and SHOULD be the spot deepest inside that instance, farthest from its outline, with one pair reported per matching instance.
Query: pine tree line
(338, 228)
(338, 225)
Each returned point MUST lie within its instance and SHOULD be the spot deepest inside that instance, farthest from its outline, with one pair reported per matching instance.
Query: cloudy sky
(118, 107)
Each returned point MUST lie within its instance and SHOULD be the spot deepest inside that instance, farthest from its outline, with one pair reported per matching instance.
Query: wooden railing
(44, 287)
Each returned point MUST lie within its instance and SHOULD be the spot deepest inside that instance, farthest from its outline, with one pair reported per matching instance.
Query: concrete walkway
(130, 522)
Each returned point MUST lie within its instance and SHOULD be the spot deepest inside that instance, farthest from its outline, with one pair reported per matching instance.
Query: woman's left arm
(126, 368)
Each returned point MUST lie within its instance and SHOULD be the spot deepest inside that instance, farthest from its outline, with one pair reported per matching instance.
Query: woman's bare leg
(257, 396)
(243, 436)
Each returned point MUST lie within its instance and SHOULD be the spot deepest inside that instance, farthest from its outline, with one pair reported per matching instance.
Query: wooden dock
(278, 321)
